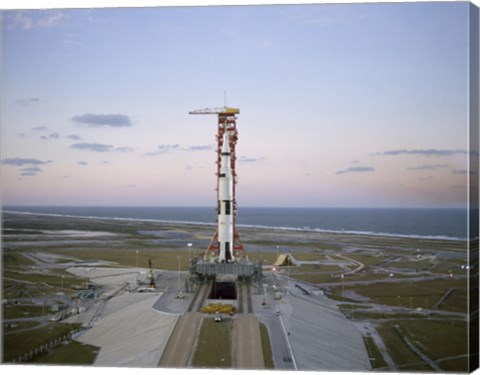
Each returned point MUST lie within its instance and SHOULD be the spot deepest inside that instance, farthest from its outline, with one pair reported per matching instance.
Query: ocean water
(421, 223)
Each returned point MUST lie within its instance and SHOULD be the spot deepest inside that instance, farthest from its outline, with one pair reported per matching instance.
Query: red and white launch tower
(225, 246)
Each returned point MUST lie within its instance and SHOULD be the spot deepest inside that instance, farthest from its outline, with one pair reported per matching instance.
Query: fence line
(25, 357)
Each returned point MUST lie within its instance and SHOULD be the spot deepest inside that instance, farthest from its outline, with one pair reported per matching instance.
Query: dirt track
(247, 342)
(180, 345)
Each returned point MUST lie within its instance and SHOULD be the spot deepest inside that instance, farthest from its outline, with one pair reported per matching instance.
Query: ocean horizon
(428, 223)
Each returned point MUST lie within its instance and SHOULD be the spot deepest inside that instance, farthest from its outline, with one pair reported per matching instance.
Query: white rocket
(225, 204)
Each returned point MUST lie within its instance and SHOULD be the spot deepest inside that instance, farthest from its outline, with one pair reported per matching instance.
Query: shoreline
(250, 226)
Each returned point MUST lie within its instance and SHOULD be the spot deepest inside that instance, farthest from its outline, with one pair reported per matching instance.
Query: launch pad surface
(295, 323)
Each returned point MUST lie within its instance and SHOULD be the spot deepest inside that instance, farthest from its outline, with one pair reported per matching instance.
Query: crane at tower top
(225, 111)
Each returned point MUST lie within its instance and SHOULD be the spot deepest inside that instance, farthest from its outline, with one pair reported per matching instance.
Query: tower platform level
(244, 268)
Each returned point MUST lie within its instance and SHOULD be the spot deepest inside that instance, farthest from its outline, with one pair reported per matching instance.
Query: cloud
(200, 148)
(39, 128)
(189, 167)
(82, 163)
(49, 21)
(27, 102)
(123, 149)
(18, 20)
(429, 167)
(32, 168)
(20, 162)
(99, 147)
(96, 120)
(55, 135)
(51, 136)
(74, 137)
(166, 148)
(246, 159)
(31, 20)
(30, 171)
(425, 178)
(426, 152)
(356, 170)
(163, 149)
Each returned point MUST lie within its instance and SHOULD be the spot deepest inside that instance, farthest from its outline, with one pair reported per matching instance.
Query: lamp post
(61, 288)
(179, 258)
(288, 274)
(136, 252)
(189, 250)
(343, 286)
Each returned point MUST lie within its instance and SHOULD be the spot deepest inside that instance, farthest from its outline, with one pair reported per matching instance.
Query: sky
(341, 105)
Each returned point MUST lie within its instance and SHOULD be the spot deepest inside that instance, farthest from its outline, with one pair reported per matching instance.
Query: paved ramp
(323, 339)
(133, 334)
(180, 345)
(247, 342)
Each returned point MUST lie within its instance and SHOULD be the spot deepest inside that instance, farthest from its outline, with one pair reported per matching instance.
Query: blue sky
(351, 105)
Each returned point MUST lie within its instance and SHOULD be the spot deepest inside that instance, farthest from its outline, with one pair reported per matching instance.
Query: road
(180, 344)
(200, 297)
(244, 298)
(247, 342)
(282, 356)
(394, 280)
(317, 337)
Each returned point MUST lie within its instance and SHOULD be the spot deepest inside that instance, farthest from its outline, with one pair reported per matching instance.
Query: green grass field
(163, 259)
(376, 358)
(12, 259)
(22, 311)
(403, 357)
(443, 341)
(214, 347)
(10, 328)
(73, 353)
(367, 260)
(266, 347)
(439, 339)
(315, 278)
(22, 342)
(54, 280)
(424, 294)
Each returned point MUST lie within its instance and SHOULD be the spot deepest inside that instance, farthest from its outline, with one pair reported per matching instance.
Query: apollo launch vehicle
(225, 204)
